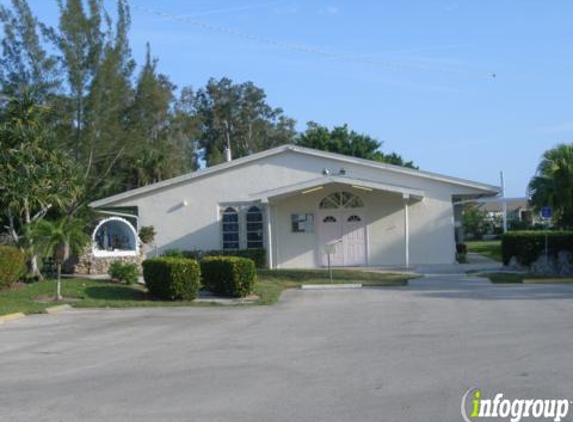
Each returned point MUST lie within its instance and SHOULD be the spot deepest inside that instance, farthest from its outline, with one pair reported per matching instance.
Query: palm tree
(58, 239)
(553, 184)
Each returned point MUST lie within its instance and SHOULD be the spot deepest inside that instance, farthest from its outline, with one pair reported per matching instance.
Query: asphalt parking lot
(376, 354)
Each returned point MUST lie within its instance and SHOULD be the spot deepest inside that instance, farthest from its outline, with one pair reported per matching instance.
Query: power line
(306, 49)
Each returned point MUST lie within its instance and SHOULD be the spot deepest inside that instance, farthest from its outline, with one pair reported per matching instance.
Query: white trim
(309, 185)
(366, 235)
(121, 214)
(407, 230)
(488, 189)
(269, 238)
(98, 253)
(276, 239)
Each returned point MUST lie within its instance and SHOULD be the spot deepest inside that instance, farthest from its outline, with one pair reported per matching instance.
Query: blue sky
(414, 74)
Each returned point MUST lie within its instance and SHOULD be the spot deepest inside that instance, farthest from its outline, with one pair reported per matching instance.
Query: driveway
(375, 354)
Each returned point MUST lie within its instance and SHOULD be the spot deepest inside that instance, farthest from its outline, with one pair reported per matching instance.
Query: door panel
(346, 230)
(353, 238)
(330, 232)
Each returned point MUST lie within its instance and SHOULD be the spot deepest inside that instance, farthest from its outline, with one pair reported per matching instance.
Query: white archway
(114, 237)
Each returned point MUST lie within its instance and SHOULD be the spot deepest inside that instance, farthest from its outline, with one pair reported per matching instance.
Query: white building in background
(292, 201)
(518, 209)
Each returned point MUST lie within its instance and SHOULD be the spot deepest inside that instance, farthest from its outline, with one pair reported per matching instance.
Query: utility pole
(504, 202)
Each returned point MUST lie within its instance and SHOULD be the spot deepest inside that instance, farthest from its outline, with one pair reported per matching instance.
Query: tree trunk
(59, 282)
(12, 228)
(34, 269)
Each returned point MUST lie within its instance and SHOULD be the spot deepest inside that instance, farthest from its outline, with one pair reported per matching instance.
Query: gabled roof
(487, 189)
(343, 180)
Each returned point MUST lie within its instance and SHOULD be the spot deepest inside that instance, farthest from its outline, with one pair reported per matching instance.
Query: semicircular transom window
(354, 219)
(341, 200)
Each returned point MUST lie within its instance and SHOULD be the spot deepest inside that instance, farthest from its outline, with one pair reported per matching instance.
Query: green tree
(57, 240)
(341, 140)
(35, 177)
(475, 221)
(25, 64)
(552, 185)
(162, 128)
(80, 39)
(238, 116)
(92, 109)
(107, 134)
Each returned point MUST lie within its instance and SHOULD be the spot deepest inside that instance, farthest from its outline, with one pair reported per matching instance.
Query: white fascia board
(326, 180)
(184, 178)
(486, 189)
(399, 169)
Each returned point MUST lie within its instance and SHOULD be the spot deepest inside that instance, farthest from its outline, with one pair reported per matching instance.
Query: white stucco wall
(197, 226)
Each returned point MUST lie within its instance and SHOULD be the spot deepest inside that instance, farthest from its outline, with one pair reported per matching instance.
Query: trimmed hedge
(229, 275)
(258, 255)
(12, 265)
(527, 246)
(172, 278)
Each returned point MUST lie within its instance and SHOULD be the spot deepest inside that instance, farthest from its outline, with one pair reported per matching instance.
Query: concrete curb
(330, 286)
(57, 309)
(11, 317)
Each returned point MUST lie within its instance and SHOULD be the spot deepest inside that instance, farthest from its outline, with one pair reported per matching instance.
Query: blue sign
(546, 212)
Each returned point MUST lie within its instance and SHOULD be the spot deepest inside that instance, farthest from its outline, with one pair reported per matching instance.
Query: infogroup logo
(475, 407)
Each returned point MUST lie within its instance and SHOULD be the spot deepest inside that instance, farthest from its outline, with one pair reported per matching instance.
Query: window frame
(260, 243)
(224, 213)
(339, 200)
(242, 210)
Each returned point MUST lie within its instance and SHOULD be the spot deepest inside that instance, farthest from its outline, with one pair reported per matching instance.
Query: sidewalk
(477, 263)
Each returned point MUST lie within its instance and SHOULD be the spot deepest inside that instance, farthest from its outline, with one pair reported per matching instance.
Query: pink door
(346, 232)
(330, 233)
(353, 238)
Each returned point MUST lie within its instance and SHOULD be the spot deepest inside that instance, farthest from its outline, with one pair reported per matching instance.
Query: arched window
(341, 200)
(329, 219)
(254, 228)
(230, 228)
(114, 236)
(354, 219)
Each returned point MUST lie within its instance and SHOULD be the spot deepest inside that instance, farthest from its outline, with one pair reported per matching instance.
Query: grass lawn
(91, 294)
(508, 278)
(488, 248)
(102, 294)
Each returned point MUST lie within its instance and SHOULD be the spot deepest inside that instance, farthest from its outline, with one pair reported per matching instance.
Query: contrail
(311, 50)
(231, 9)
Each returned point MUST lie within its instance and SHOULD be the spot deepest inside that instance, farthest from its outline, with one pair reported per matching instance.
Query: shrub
(527, 246)
(12, 265)
(177, 253)
(124, 272)
(172, 253)
(147, 234)
(229, 275)
(258, 255)
(171, 278)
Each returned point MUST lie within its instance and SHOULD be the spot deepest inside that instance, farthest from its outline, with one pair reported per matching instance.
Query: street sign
(546, 212)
